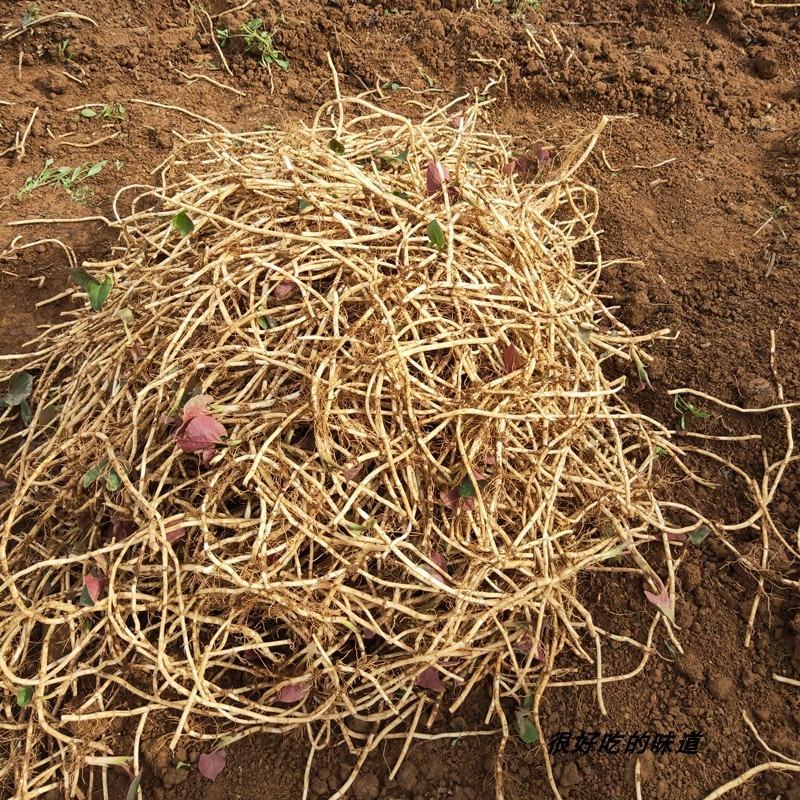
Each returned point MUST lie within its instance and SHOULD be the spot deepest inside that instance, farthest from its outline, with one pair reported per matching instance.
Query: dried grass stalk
(424, 453)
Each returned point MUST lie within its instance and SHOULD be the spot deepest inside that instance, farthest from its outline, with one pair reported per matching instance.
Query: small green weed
(30, 16)
(256, 38)
(114, 111)
(685, 408)
(71, 179)
(62, 52)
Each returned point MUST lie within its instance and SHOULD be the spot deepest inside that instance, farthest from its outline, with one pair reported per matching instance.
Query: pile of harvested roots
(338, 444)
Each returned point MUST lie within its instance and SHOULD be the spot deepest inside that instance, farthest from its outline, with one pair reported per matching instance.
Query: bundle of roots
(338, 445)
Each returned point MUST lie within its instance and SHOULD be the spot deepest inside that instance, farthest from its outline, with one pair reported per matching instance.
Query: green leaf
(19, 388)
(336, 146)
(281, 61)
(526, 729)
(401, 157)
(133, 789)
(267, 323)
(661, 451)
(88, 112)
(303, 204)
(90, 476)
(400, 194)
(95, 168)
(466, 488)
(86, 625)
(436, 234)
(25, 413)
(700, 535)
(113, 481)
(527, 703)
(182, 223)
(82, 278)
(85, 599)
(98, 292)
(24, 696)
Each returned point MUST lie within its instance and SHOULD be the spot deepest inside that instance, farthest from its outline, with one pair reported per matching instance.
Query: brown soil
(718, 97)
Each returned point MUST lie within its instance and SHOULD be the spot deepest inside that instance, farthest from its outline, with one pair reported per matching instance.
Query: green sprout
(256, 37)
(70, 179)
(30, 16)
(113, 111)
(19, 390)
(525, 728)
(98, 291)
(685, 408)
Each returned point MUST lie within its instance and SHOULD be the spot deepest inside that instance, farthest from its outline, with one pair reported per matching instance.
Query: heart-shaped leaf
(99, 292)
(19, 389)
(661, 601)
(542, 153)
(527, 703)
(512, 360)
(449, 497)
(182, 223)
(91, 475)
(200, 434)
(700, 535)
(93, 585)
(526, 729)
(336, 146)
(293, 692)
(437, 175)
(113, 481)
(429, 679)
(284, 289)
(466, 488)
(196, 406)
(24, 695)
(436, 235)
(351, 471)
(209, 765)
(82, 278)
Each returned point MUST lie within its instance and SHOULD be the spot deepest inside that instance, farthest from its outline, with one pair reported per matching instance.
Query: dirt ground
(699, 182)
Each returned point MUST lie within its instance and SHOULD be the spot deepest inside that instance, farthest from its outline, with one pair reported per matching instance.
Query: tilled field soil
(698, 178)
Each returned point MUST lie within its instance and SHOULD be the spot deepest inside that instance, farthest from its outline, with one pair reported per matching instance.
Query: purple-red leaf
(351, 472)
(196, 406)
(440, 562)
(429, 679)
(93, 585)
(518, 164)
(284, 289)
(293, 692)
(512, 360)
(449, 497)
(176, 532)
(121, 527)
(542, 153)
(200, 434)
(209, 765)
(456, 122)
(436, 177)
(661, 601)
